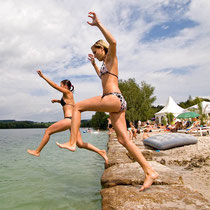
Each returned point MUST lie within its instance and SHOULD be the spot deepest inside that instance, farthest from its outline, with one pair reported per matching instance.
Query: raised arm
(108, 36)
(51, 83)
(92, 60)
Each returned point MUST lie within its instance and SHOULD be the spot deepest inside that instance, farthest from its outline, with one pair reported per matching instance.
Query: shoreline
(183, 182)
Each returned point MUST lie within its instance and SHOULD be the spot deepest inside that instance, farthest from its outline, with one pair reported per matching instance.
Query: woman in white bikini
(111, 101)
(67, 102)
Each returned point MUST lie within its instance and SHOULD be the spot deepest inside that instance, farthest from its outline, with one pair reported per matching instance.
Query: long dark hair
(68, 83)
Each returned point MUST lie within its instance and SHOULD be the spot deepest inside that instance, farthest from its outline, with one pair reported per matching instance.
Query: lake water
(58, 179)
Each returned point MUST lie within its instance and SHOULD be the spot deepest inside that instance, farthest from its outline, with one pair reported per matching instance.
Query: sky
(165, 43)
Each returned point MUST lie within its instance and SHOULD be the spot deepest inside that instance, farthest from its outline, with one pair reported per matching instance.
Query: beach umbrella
(188, 115)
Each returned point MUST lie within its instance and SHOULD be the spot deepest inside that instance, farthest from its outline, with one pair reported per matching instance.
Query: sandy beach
(191, 161)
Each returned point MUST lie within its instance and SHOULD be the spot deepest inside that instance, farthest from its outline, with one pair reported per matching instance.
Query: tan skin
(109, 103)
(64, 124)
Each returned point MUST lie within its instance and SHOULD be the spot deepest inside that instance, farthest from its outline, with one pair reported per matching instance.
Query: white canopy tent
(205, 107)
(170, 107)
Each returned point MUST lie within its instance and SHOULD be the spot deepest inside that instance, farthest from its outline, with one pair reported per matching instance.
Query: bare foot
(33, 152)
(149, 180)
(103, 154)
(67, 146)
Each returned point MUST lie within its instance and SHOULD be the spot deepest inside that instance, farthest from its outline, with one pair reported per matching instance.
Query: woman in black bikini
(111, 101)
(67, 102)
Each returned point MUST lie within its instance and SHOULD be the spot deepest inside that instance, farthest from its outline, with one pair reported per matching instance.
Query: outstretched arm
(92, 60)
(51, 83)
(108, 36)
(55, 101)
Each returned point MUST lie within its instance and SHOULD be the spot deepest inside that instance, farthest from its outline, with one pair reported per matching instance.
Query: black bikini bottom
(68, 118)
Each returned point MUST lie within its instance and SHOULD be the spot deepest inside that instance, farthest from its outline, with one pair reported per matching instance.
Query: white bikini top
(104, 70)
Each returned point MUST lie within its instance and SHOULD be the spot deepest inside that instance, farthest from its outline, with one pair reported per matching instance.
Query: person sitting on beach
(179, 125)
(139, 127)
(145, 134)
(132, 131)
(111, 101)
(110, 127)
(67, 102)
(194, 126)
(171, 127)
(187, 124)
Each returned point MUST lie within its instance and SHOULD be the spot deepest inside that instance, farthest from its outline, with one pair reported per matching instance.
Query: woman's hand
(39, 73)
(91, 59)
(54, 100)
(95, 20)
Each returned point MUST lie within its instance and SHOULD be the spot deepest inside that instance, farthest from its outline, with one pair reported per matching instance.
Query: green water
(58, 179)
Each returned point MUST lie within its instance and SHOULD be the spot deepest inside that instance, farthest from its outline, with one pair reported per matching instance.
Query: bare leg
(90, 147)
(74, 132)
(135, 134)
(119, 123)
(59, 126)
(107, 104)
(130, 135)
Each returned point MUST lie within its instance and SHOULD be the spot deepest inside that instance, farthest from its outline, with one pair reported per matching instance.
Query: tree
(170, 117)
(146, 110)
(163, 120)
(85, 123)
(139, 100)
(99, 120)
(157, 108)
(7, 124)
(189, 102)
(200, 109)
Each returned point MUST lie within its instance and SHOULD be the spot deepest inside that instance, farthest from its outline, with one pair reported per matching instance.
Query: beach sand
(192, 162)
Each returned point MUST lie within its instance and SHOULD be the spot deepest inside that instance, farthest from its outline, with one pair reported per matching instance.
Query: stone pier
(123, 178)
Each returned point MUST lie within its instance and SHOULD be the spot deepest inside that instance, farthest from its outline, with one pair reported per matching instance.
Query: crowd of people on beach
(145, 128)
(149, 126)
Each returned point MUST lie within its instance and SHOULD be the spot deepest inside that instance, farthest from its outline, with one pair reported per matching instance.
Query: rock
(165, 197)
(117, 157)
(132, 174)
(207, 161)
(117, 154)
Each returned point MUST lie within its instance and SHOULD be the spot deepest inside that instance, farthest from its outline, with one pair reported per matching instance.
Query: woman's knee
(48, 132)
(122, 140)
(81, 144)
(78, 107)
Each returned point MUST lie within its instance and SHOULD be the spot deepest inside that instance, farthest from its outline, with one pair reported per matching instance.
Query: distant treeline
(8, 124)
(12, 124)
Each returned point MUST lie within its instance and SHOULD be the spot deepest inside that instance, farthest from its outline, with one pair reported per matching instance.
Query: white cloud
(51, 34)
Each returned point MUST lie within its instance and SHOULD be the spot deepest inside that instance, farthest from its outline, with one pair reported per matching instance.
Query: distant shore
(13, 124)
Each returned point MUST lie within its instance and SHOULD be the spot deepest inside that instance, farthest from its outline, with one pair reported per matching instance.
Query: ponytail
(72, 88)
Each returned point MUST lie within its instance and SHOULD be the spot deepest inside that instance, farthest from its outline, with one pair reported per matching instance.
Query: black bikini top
(104, 70)
(63, 103)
